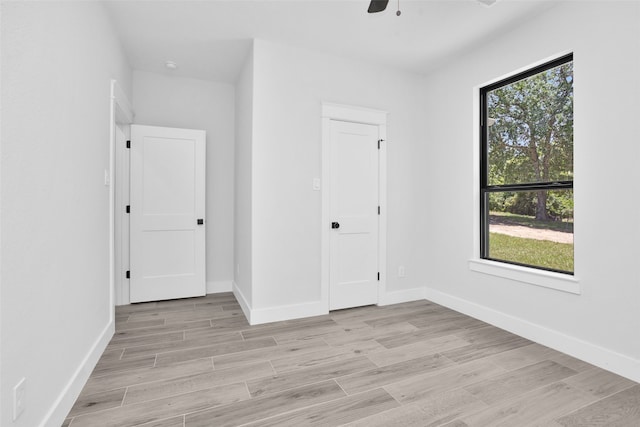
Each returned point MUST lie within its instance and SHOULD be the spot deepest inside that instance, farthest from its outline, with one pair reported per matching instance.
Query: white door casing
(346, 113)
(167, 202)
(354, 215)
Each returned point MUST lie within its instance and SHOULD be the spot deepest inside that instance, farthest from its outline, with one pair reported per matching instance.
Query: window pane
(521, 233)
(530, 129)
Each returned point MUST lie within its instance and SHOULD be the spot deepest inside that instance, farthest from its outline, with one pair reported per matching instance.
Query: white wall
(162, 100)
(289, 86)
(601, 324)
(57, 62)
(243, 190)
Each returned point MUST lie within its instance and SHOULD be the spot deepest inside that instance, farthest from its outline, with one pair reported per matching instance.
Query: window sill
(546, 279)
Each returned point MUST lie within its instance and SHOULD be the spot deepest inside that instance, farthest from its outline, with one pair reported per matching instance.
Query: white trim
(355, 115)
(398, 297)
(604, 358)
(538, 277)
(63, 404)
(217, 286)
(534, 276)
(287, 312)
(349, 113)
(121, 113)
(242, 300)
(279, 313)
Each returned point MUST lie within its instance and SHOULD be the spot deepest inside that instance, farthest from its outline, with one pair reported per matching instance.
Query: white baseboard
(217, 286)
(68, 396)
(287, 312)
(604, 358)
(242, 300)
(398, 297)
(279, 313)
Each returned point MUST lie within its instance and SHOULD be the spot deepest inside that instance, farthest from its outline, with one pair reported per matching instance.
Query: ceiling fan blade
(377, 6)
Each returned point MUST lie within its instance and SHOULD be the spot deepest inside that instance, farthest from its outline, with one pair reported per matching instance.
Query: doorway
(167, 213)
(353, 253)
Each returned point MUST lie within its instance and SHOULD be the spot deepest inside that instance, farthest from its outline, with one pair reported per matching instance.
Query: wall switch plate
(401, 272)
(19, 394)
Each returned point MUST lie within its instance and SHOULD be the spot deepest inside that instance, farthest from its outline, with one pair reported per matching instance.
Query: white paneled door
(354, 181)
(167, 213)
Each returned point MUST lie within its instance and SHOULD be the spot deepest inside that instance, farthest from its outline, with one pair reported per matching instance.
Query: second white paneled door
(167, 213)
(354, 181)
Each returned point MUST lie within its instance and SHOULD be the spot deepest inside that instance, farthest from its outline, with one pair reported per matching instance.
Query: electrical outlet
(401, 272)
(19, 394)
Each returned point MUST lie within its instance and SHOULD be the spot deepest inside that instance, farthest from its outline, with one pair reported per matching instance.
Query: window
(526, 181)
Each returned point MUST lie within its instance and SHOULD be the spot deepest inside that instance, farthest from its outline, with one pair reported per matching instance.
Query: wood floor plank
(396, 317)
(265, 406)
(431, 384)
(523, 356)
(145, 375)
(122, 343)
(295, 349)
(423, 334)
(161, 409)
(519, 381)
(449, 405)
(456, 423)
(183, 355)
(166, 346)
(571, 362)
(403, 416)
(284, 328)
(379, 377)
(169, 422)
(484, 349)
(599, 382)
(539, 407)
(97, 402)
(193, 382)
(334, 413)
(618, 410)
(411, 351)
(294, 362)
(110, 367)
(125, 326)
(360, 331)
(170, 318)
(281, 382)
(162, 329)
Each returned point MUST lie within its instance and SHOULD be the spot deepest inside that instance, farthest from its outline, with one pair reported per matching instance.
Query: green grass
(530, 221)
(540, 253)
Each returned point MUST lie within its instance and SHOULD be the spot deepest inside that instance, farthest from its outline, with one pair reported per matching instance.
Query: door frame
(121, 117)
(353, 114)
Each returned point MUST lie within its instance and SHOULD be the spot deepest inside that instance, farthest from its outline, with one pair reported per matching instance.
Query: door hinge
(378, 276)
(128, 274)
(128, 143)
(128, 209)
(378, 210)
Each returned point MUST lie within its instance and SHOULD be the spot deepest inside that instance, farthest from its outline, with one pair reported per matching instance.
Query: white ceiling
(209, 39)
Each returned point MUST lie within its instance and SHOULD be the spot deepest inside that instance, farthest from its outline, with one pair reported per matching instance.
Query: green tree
(530, 135)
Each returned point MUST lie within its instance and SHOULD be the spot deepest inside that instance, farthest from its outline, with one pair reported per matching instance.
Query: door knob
(200, 221)
(335, 225)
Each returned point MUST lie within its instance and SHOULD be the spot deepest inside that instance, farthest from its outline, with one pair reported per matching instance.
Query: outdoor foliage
(530, 140)
(541, 253)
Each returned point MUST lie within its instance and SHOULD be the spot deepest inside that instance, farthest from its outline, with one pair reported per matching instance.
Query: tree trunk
(541, 208)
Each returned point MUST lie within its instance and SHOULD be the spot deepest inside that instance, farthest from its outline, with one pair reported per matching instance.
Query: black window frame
(485, 188)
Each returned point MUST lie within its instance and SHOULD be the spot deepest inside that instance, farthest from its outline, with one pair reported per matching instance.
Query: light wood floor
(196, 362)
